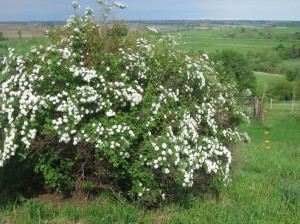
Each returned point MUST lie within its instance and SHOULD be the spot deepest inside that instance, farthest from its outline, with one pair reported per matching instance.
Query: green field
(21, 46)
(211, 40)
(257, 44)
(211, 44)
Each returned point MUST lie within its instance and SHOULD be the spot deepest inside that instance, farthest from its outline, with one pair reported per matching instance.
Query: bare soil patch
(11, 30)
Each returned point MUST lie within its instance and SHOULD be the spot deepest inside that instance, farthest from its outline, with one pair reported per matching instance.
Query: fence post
(293, 105)
(256, 108)
(271, 104)
(261, 116)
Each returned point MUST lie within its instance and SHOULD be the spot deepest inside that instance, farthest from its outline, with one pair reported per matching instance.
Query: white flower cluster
(75, 5)
(169, 40)
(120, 5)
(152, 29)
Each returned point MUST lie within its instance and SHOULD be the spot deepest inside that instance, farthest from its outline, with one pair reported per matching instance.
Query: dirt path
(265, 73)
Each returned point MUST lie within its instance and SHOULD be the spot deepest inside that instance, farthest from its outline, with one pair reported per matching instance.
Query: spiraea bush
(102, 108)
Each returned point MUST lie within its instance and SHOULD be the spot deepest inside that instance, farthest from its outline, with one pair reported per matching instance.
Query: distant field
(211, 40)
(259, 45)
(211, 45)
(207, 38)
(24, 30)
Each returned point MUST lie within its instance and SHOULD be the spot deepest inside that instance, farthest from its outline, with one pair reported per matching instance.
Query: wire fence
(258, 107)
(277, 105)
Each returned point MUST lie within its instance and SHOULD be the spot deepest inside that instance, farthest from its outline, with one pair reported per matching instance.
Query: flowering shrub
(103, 109)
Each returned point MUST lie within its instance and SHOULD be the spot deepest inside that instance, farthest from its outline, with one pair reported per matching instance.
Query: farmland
(264, 186)
(259, 45)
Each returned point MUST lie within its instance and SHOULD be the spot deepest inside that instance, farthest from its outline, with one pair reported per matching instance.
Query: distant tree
(235, 66)
(281, 90)
(2, 37)
(293, 74)
(243, 30)
(296, 36)
(20, 34)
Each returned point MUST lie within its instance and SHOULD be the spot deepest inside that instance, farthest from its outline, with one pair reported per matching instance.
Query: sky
(56, 10)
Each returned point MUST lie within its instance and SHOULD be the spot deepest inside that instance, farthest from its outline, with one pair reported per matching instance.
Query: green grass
(21, 46)
(292, 62)
(263, 79)
(211, 40)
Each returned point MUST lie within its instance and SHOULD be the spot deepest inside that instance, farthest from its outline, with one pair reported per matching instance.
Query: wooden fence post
(293, 105)
(256, 108)
(261, 111)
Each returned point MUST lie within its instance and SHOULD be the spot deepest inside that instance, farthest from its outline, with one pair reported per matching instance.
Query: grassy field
(257, 44)
(21, 46)
(242, 45)
(211, 40)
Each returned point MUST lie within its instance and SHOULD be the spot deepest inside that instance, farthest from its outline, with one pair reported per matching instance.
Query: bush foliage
(101, 108)
(236, 68)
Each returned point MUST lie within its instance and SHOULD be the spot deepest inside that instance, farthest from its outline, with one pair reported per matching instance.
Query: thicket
(262, 33)
(288, 52)
(284, 90)
(2, 37)
(104, 109)
(235, 67)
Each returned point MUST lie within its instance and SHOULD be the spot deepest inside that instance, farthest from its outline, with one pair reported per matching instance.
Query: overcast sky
(45, 10)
